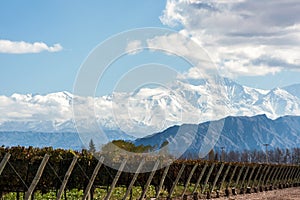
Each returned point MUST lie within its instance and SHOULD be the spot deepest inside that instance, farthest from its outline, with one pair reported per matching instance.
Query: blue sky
(71, 29)
(77, 26)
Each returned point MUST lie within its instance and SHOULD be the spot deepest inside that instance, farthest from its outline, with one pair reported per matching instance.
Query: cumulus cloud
(243, 37)
(21, 47)
(187, 49)
(133, 47)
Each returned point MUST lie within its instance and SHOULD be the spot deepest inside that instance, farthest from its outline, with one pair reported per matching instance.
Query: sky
(44, 43)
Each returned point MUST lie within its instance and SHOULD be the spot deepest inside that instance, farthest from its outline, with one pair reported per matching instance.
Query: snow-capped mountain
(146, 110)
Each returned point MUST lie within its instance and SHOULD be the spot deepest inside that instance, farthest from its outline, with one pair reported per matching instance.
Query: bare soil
(284, 194)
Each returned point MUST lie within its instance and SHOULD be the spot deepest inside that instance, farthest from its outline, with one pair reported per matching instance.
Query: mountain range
(233, 133)
(155, 114)
(147, 110)
(236, 134)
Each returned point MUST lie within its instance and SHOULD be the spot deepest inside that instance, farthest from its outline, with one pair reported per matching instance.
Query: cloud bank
(243, 37)
(21, 47)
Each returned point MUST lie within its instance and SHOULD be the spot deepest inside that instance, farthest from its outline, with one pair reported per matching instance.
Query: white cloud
(182, 46)
(134, 47)
(243, 37)
(21, 47)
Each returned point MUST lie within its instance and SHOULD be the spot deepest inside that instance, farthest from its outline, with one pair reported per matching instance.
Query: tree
(287, 156)
(245, 156)
(163, 150)
(211, 155)
(278, 155)
(233, 156)
(92, 147)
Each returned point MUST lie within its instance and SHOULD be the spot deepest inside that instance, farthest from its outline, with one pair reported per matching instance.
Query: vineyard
(33, 173)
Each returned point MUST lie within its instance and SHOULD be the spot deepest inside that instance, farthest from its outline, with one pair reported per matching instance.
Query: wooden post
(66, 178)
(239, 176)
(189, 179)
(295, 175)
(217, 177)
(134, 178)
(208, 176)
(298, 175)
(270, 175)
(250, 177)
(162, 181)
(284, 172)
(176, 180)
(232, 175)
(274, 177)
(245, 176)
(256, 175)
(292, 173)
(149, 179)
(277, 176)
(265, 176)
(92, 179)
(4, 162)
(112, 187)
(37, 177)
(287, 175)
(281, 175)
(200, 177)
(225, 175)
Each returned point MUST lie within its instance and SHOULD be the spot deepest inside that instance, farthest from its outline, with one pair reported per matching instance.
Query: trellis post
(266, 175)
(176, 180)
(200, 177)
(134, 179)
(239, 176)
(256, 175)
(270, 175)
(262, 178)
(251, 175)
(208, 176)
(4, 162)
(113, 184)
(92, 179)
(278, 176)
(66, 178)
(162, 181)
(217, 177)
(292, 174)
(225, 175)
(274, 177)
(245, 176)
(232, 175)
(37, 177)
(298, 175)
(287, 175)
(285, 171)
(189, 179)
(149, 179)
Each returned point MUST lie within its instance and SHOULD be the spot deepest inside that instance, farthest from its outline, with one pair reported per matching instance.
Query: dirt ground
(285, 194)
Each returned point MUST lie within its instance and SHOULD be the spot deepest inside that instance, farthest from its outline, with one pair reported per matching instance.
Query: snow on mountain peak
(148, 109)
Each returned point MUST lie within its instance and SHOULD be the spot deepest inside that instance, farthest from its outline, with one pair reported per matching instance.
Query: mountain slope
(238, 133)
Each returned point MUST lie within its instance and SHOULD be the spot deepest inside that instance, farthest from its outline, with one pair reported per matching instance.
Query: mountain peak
(153, 109)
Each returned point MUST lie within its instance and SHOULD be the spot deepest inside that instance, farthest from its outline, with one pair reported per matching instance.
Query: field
(46, 173)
